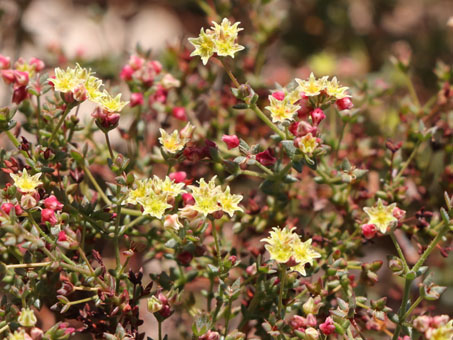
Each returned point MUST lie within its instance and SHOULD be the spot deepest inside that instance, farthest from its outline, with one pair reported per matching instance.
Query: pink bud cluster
(51, 204)
(17, 76)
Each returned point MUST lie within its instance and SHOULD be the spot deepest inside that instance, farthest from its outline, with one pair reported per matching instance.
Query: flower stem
(400, 252)
(60, 122)
(406, 164)
(28, 265)
(267, 121)
(230, 74)
(402, 311)
(282, 288)
(109, 146)
(411, 308)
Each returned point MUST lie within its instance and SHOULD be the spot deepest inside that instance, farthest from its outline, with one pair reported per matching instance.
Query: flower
(206, 196)
(92, 86)
(344, 104)
(334, 89)
(232, 141)
(443, 332)
(168, 187)
(27, 317)
(281, 110)
(154, 205)
(312, 86)
(67, 80)
(172, 222)
(280, 244)
(154, 304)
(307, 144)
(369, 230)
(266, 158)
(19, 335)
(220, 39)
(26, 183)
(381, 216)
(48, 215)
(172, 143)
(327, 327)
(52, 202)
(138, 193)
(303, 253)
(110, 103)
(229, 202)
(204, 46)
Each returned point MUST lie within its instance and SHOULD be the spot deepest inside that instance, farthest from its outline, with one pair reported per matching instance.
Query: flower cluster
(20, 75)
(220, 39)
(82, 85)
(322, 86)
(286, 247)
(439, 327)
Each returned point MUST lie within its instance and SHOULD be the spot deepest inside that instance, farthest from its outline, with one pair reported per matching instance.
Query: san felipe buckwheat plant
(254, 203)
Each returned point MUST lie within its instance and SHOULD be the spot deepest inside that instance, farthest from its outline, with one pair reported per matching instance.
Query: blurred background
(352, 39)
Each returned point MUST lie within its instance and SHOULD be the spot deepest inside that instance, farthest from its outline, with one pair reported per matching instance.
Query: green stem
(227, 320)
(282, 288)
(406, 164)
(411, 308)
(337, 149)
(217, 246)
(267, 121)
(160, 329)
(402, 310)
(96, 185)
(411, 88)
(28, 265)
(430, 248)
(230, 74)
(400, 252)
(60, 122)
(109, 145)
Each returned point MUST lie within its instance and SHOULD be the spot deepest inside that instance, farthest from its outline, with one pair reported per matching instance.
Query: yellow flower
(381, 216)
(110, 103)
(303, 253)
(444, 332)
(229, 202)
(312, 86)
(92, 85)
(293, 96)
(27, 318)
(68, 80)
(17, 335)
(334, 89)
(154, 205)
(307, 144)
(280, 244)
(26, 183)
(140, 192)
(204, 46)
(281, 110)
(168, 187)
(206, 196)
(172, 143)
(220, 39)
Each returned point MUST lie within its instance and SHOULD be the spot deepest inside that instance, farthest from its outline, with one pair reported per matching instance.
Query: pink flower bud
(8, 76)
(18, 210)
(279, 95)
(106, 120)
(136, 99)
(38, 64)
(399, 213)
(233, 259)
(298, 322)
(80, 93)
(210, 335)
(62, 236)
(266, 158)
(48, 215)
(300, 129)
(327, 327)
(422, 323)
(344, 104)
(179, 113)
(188, 199)
(311, 320)
(52, 202)
(159, 96)
(135, 62)
(5, 62)
(21, 78)
(317, 116)
(305, 106)
(6, 207)
(126, 73)
(439, 320)
(178, 177)
(20, 94)
(369, 230)
(232, 141)
(157, 66)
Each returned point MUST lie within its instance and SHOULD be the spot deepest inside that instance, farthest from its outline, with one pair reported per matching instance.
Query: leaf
(290, 149)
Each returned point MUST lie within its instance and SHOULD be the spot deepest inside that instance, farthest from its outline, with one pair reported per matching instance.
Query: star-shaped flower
(381, 216)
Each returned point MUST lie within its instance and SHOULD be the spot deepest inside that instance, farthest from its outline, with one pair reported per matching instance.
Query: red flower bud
(126, 73)
(266, 158)
(298, 322)
(344, 104)
(136, 99)
(279, 95)
(52, 202)
(38, 64)
(369, 230)
(21, 78)
(5, 62)
(399, 213)
(18, 210)
(179, 113)
(8, 76)
(62, 236)
(6, 207)
(317, 116)
(327, 327)
(178, 177)
(135, 62)
(232, 141)
(157, 66)
(48, 215)
(20, 94)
